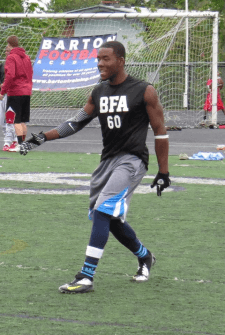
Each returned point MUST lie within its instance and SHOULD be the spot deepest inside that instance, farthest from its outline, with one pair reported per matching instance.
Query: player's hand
(32, 143)
(162, 181)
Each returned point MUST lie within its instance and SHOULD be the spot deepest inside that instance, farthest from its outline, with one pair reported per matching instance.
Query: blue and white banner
(68, 63)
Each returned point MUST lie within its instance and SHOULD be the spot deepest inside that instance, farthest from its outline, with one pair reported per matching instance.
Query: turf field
(44, 231)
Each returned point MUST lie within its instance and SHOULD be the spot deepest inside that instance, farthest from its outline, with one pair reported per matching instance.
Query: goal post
(156, 51)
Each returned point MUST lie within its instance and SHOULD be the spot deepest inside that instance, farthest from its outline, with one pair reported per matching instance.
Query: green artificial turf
(43, 239)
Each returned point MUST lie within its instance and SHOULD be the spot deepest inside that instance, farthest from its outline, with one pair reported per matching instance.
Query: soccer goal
(175, 52)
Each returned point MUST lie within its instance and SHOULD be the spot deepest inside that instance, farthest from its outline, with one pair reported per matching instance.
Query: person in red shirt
(10, 138)
(18, 87)
(208, 101)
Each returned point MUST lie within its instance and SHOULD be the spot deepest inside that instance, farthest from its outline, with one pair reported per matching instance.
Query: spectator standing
(10, 138)
(208, 101)
(18, 87)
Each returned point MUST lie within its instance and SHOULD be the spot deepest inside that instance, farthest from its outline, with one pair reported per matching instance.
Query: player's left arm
(10, 70)
(220, 83)
(156, 118)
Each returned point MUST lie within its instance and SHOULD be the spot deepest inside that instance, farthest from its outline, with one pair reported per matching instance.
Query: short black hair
(118, 48)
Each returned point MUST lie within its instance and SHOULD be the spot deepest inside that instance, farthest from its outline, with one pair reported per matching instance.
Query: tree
(11, 6)
(212, 5)
(69, 5)
(219, 6)
(202, 5)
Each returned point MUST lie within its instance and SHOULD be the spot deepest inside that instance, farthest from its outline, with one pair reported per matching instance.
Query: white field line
(68, 178)
(74, 179)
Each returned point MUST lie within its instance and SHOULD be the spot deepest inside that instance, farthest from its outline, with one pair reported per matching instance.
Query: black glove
(32, 143)
(162, 181)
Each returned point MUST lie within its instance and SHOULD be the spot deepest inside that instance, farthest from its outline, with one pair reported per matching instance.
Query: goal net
(176, 53)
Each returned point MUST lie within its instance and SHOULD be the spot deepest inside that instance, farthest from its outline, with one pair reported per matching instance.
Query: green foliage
(192, 4)
(30, 33)
(201, 5)
(11, 6)
(218, 5)
(33, 6)
(69, 5)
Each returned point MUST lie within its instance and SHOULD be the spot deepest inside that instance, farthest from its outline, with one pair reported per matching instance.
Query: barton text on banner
(68, 63)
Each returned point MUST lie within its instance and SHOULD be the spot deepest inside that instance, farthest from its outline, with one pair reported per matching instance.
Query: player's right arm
(67, 128)
(73, 125)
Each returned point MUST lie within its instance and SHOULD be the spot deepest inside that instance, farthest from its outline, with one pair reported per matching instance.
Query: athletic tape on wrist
(161, 137)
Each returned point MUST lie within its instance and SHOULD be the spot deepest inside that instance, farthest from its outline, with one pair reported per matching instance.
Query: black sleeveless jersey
(123, 118)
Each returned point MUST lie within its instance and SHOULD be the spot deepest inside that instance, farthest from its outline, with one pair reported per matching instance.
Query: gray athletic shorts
(113, 184)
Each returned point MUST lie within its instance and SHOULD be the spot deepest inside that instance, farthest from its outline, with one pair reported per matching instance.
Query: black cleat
(81, 284)
(144, 267)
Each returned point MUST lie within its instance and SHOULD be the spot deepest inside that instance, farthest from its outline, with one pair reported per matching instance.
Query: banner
(68, 63)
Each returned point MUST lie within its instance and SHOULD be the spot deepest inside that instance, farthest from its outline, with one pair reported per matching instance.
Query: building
(126, 30)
